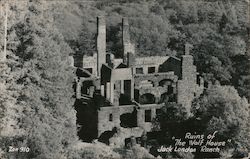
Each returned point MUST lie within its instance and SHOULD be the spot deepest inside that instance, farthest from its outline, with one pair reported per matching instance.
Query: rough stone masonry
(134, 88)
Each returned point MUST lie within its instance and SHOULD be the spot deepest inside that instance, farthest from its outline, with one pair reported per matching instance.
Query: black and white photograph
(124, 79)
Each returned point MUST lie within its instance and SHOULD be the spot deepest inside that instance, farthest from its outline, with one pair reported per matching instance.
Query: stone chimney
(127, 45)
(130, 59)
(186, 87)
(188, 48)
(101, 43)
(188, 69)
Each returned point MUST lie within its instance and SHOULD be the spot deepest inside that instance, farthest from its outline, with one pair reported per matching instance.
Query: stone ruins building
(130, 91)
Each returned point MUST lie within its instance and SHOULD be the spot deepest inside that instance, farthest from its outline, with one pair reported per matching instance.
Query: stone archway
(167, 97)
(164, 98)
(165, 82)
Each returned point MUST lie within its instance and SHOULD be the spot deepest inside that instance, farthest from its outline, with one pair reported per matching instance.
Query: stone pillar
(132, 92)
(91, 91)
(108, 91)
(101, 43)
(145, 70)
(157, 98)
(140, 118)
(71, 60)
(157, 69)
(111, 92)
(122, 86)
(116, 117)
(102, 90)
(174, 88)
(78, 89)
(153, 114)
(99, 123)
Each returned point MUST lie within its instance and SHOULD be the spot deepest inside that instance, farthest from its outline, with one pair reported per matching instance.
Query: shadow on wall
(105, 136)
(124, 99)
(78, 60)
(87, 119)
(129, 120)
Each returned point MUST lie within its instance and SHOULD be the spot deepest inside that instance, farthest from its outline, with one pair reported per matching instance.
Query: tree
(222, 109)
(241, 75)
(42, 86)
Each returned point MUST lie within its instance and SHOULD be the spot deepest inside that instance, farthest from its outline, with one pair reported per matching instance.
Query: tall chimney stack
(127, 46)
(101, 43)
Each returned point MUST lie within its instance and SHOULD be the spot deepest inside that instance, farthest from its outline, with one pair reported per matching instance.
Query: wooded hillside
(217, 30)
(36, 94)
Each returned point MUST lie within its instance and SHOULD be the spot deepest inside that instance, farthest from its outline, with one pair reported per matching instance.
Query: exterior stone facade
(135, 88)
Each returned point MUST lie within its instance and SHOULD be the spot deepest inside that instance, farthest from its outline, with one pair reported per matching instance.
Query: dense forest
(36, 94)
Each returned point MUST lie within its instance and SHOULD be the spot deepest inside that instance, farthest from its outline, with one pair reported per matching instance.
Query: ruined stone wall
(152, 60)
(181, 73)
(103, 117)
(155, 78)
(150, 83)
(89, 83)
(118, 76)
(90, 62)
(121, 74)
(146, 62)
(157, 91)
(105, 125)
(147, 126)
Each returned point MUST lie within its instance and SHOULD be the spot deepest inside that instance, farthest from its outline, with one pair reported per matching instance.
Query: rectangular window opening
(151, 70)
(147, 115)
(110, 117)
(139, 70)
(158, 112)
